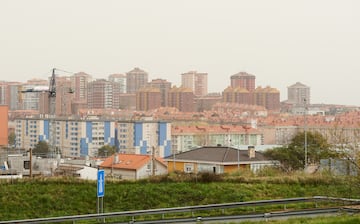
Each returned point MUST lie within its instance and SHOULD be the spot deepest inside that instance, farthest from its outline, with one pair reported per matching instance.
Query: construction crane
(52, 108)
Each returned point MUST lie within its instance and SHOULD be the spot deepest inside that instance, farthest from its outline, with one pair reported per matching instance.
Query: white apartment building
(83, 137)
(72, 138)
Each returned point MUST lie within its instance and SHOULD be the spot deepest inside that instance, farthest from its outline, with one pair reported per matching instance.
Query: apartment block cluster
(77, 133)
(83, 137)
(134, 91)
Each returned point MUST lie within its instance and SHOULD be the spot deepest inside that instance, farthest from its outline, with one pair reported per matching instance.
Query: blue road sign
(101, 183)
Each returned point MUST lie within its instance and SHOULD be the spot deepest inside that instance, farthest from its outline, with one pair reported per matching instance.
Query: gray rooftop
(220, 154)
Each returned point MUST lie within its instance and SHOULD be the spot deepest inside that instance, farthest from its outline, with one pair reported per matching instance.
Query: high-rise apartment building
(74, 138)
(14, 99)
(196, 82)
(127, 101)
(135, 79)
(103, 94)
(79, 83)
(207, 102)
(63, 100)
(3, 93)
(83, 137)
(237, 95)
(267, 97)
(64, 96)
(120, 79)
(145, 137)
(30, 100)
(164, 87)
(182, 99)
(243, 80)
(148, 98)
(10, 94)
(298, 94)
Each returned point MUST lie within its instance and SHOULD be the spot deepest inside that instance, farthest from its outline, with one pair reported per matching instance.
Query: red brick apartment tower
(236, 95)
(148, 98)
(79, 83)
(164, 87)
(206, 102)
(182, 99)
(135, 79)
(3, 125)
(64, 96)
(103, 94)
(272, 99)
(267, 97)
(243, 80)
(196, 82)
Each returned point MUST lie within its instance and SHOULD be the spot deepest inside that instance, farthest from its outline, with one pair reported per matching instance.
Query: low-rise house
(80, 171)
(133, 166)
(218, 159)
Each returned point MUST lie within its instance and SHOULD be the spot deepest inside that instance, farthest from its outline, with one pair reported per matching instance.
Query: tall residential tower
(297, 93)
(197, 82)
(135, 79)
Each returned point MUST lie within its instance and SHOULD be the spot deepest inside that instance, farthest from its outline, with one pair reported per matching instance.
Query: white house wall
(146, 170)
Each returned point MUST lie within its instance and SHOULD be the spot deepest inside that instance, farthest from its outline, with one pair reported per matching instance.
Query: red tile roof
(128, 161)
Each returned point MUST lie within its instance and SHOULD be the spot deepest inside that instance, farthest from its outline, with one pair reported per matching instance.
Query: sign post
(100, 191)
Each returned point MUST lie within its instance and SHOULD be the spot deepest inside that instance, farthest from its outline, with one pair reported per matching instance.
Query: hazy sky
(316, 42)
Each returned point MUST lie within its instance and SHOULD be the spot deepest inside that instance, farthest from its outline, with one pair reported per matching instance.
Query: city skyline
(280, 42)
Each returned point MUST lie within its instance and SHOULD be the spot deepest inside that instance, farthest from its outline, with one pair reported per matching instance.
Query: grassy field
(50, 197)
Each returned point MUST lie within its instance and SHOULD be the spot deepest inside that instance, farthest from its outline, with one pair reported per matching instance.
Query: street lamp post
(305, 134)
(238, 159)
(174, 165)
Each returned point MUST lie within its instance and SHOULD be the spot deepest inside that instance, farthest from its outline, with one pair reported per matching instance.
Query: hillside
(23, 199)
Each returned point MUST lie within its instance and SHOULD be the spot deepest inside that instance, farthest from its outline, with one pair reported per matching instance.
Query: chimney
(116, 158)
(251, 152)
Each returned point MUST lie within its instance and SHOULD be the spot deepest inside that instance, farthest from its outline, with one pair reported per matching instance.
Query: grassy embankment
(50, 197)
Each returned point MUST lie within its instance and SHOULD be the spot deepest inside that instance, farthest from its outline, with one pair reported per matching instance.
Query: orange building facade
(3, 125)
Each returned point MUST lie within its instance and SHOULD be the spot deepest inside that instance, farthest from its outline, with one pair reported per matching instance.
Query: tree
(11, 139)
(41, 149)
(348, 144)
(106, 150)
(292, 156)
(317, 146)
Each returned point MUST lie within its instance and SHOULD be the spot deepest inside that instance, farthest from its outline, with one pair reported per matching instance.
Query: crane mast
(52, 112)
(52, 94)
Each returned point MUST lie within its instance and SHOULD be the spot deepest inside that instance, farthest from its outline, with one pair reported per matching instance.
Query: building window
(188, 167)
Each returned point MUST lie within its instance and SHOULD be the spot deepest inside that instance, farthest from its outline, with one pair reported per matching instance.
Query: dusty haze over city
(281, 42)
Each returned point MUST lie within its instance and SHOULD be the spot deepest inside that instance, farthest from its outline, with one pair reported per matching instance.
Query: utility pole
(153, 161)
(30, 174)
(174, 165)
(305, 135)
(238, 159)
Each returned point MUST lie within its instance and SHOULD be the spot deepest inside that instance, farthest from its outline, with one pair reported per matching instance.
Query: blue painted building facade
(149, 135)
(79, 138)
